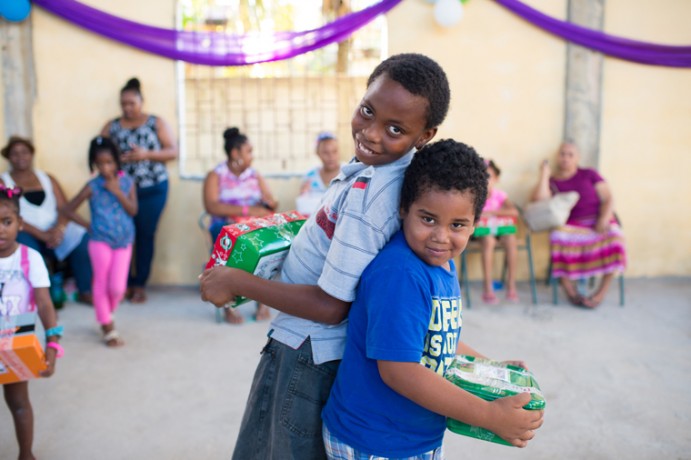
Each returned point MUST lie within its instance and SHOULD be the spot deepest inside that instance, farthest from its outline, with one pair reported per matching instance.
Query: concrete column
(584, 84)
(18, 77)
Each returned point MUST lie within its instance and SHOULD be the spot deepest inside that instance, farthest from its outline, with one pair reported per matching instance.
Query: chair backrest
(204, 223)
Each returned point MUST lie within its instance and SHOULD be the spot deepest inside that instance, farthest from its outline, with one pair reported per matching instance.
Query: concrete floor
(616, 379)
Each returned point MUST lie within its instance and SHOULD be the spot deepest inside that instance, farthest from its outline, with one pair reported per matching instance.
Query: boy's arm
(464, 349)
(220, 285)
(504, 417)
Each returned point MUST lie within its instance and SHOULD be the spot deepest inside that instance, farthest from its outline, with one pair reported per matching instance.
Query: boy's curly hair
(421, 76)
(446, 165)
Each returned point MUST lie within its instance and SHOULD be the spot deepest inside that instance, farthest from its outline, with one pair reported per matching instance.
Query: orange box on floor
(22, 345)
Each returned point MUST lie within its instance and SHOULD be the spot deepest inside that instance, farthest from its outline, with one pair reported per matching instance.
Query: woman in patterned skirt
(591, 243)
(147, 143)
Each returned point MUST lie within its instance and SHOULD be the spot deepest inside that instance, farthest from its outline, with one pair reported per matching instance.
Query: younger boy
(407, 97)
(390, 398)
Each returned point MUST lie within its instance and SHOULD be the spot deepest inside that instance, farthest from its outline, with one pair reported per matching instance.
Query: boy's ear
(426, 136)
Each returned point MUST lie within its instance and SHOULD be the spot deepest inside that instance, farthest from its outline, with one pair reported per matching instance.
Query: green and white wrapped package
(490, 380)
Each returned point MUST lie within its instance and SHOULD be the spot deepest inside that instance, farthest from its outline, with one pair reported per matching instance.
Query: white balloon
(447, 13)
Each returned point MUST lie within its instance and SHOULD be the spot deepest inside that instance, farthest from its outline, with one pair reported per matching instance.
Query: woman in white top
(44, 229)
(317, 180)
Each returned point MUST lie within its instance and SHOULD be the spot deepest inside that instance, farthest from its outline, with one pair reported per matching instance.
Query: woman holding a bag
(591, 242)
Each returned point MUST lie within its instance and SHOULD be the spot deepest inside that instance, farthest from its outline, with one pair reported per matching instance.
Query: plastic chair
(524, 244)
(204, 222)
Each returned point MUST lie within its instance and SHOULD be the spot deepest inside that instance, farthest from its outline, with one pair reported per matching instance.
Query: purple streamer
(211, 48)
(623, 48)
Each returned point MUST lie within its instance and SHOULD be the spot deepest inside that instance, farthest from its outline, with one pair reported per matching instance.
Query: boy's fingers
(522, 399)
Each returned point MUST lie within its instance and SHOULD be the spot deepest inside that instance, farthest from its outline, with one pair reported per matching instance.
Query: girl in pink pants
(113, 202)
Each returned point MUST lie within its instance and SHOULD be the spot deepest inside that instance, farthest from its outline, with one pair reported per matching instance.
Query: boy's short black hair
(421, 76)
(100, 143)
(446, 165)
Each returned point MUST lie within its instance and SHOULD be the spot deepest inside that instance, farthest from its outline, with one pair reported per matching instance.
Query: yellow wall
(508, 83)
(646, 139)
(507, 101)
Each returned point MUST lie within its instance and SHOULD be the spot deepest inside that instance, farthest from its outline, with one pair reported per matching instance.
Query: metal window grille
(280, 106)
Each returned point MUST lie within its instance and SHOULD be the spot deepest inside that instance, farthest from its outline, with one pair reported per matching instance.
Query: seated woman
(44, 229)
(591, 243)
(316, 181)
(497, 222)
(234, 191)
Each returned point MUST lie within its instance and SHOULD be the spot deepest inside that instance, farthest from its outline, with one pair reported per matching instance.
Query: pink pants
(110, 270)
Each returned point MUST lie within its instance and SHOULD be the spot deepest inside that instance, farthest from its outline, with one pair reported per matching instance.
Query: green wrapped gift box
(496, 226)
(490, 380)
(257, 245)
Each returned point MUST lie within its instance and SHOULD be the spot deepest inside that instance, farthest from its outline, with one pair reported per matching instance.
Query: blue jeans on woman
(215, 230)
(78, 259)
(151, 202)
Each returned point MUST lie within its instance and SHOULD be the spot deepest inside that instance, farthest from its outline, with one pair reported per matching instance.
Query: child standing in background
(406, 99)
(499, 211)
(112, 202)
(317, 180)
(390, 399)
(24, 287)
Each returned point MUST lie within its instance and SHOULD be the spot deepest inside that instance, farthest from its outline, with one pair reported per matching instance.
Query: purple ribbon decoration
(630, 50)
(212, 48)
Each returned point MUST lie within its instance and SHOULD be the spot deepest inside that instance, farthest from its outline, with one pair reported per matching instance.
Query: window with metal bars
(281, 106)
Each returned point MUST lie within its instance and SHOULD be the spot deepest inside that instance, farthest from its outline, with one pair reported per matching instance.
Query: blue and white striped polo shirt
(356, 217)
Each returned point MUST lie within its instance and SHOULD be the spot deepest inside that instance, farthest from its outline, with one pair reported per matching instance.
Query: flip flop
(576, 300)
(138, 295)
(512, 296)
(263, 313)
(233, 317)
(490, 299)
(112, 339)
(589, 303)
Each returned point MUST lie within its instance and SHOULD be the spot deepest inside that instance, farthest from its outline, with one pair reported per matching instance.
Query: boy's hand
(50, 362)
(513, 423)
(216, 285)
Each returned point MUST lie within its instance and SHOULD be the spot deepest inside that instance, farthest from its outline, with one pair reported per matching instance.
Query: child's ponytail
(10, 195)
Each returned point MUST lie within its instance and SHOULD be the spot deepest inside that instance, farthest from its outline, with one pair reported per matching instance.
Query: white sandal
(112, 339)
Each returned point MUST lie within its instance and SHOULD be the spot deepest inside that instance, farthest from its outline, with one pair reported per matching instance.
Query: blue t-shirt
(405, 311)
(110, 223)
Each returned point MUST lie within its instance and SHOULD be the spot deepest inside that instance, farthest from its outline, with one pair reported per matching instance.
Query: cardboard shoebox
(257, 245)
(22, 345)
(490, 380)
(496, 226)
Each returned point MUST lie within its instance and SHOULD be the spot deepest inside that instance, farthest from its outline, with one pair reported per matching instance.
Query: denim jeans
(215, 230)
(78, 259)
(151, 202)
(283, 414)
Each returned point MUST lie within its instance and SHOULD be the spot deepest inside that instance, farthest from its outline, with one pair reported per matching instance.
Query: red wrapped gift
(257, 245)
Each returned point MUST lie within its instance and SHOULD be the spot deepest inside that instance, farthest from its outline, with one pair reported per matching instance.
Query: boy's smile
(389, 122)
(438, 225)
